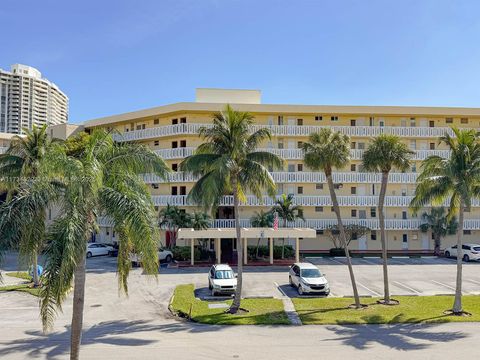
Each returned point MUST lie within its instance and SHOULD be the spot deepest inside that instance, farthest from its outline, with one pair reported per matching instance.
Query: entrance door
(425, 242)
(227, 250)
(404, 242)
(362, 243)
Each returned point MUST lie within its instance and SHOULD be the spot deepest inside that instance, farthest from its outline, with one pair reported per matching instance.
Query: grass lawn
(261, 311)
(412, 309)
(23, 288)
(20, 274)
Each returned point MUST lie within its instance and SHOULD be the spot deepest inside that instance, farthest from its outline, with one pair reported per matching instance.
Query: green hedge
(182, 253)
(264, 251)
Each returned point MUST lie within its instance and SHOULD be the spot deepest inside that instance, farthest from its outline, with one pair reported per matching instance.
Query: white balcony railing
(290, 130)
(3, 149)
(303, 177)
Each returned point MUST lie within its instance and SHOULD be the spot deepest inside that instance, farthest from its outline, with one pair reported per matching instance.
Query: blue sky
(117, 56)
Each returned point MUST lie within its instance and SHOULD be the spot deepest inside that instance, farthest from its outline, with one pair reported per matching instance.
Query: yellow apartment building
(172, 132)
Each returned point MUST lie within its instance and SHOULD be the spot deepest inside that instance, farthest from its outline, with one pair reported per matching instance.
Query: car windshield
(476, 248)
(311, 273)
(224, 274)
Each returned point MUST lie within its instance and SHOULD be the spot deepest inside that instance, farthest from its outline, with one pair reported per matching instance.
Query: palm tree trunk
(437, 240)
(343, 238)
(383, 240)
(238, 292)
(78, 304)
(457, 304)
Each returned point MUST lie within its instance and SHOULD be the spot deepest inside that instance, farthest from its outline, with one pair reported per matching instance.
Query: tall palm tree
(102, 179)
(228, 163)
(173, 218)
(326, 150)
(456, 179)
(438, 222)
(286, 210)
(20, 163)
(261, 219)
(385, 153)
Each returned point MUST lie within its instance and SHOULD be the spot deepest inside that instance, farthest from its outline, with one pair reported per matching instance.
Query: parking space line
(366, 288)
(338, 262)
(368, 262)
(473, 281)
(407, 287)
(279, 289)
(445, 285)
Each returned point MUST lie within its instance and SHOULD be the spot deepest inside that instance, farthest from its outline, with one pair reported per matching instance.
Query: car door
(93, 249)
(466, 250)
(296, 275)
(454, 251)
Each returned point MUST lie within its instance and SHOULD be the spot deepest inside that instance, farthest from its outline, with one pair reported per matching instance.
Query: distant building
(27, 99)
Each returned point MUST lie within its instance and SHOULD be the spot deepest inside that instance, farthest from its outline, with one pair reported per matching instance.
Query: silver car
(222, 280)
(308, 279)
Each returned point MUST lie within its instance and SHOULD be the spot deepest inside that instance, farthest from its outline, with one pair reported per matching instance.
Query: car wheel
(209, 286)
(89, 255)
(447, 254)
(291, 281)
(466, 258)
(213, 292)
(300, 290)
(168, 258)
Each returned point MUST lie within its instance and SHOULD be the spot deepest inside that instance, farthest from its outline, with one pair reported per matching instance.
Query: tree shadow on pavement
(395, 336)
(117, 333)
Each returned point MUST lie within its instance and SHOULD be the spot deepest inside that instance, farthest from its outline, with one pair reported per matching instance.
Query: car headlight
(305, 283)
(327, 286)
(216, 286)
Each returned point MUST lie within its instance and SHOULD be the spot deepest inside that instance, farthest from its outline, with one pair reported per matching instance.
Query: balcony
(290, 130)
(284, 177)
(3, 149)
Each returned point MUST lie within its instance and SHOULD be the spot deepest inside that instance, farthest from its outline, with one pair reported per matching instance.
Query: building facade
(27, 99)
(172, 132)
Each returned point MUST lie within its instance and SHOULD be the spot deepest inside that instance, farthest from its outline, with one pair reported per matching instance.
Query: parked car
(222, 280)
(470, 252)
(163, 255)
(96, 249)
(307, 278)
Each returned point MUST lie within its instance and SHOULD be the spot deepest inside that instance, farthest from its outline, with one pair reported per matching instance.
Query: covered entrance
(225, 239)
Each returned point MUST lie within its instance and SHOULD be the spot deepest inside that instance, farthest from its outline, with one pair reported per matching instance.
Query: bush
(337, 252)
(263, 251)
(182, 253)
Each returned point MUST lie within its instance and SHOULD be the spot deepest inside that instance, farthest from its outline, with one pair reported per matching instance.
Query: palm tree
(326, 150)
(200, 220)
(21, 163)
(102, 179)
(261, 219)
(288, 212)
(229, 163)
(438, 222)
(173, 218)
(457, 180)
(385, 152)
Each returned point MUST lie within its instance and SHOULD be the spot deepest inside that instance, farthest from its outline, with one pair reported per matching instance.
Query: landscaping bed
(260, 311)
(22, 288)
(412, 309)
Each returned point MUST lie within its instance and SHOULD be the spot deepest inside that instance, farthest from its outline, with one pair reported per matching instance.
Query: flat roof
(286, 109)
(230, 233)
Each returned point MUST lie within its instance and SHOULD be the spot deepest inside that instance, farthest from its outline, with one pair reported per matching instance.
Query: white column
(270, 242)
(218, 242)
(245, 251)
(192, 251)
(297, 249)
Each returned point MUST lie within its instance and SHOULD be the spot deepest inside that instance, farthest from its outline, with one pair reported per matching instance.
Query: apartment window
(156, 121)
(319, 231)
(332, 209)
(175, 167)
(299, 167)
(291, 167)
(318, 208)
(183, 190)
(381, 123)
(361, 146)
(373, 189)
(155, 186)
(334, 118)
(464, 120)
(432, 146)
(174, 190)
(156, 143)
(318, 118)
(353, 122)
(174, 144)
(299, 122)
(156, 208)
(280, 144)
(299, 144)
(300, 190)
(183, 143)
(412, 122)
(280, 120)
(353, 167)
(414, 168)
(353, 145)
(371, 121)
(319, 186)
(353, 190)
(373, 212)
(183, 120)
(337, 186)
(174, 121)
(404, 192)
(373, 235)
(449, 120)
(404, 215)
(354, 213)
(132, 126)
(404, 238)
(141, 127)
(431, 123)
(467, 232)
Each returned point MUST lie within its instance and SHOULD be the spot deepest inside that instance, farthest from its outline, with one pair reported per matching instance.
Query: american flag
(275, 221)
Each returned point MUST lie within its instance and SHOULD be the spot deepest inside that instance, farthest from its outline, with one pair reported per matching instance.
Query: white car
(163, 255)
(307, 278)
(222, 280)
(96, 249)
(469, 252)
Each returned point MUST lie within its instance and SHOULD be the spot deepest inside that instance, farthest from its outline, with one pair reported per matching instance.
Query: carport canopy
(246, 233)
